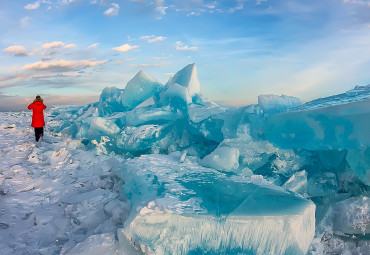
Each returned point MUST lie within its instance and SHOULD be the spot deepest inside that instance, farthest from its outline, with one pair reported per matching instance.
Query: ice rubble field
(160, 169)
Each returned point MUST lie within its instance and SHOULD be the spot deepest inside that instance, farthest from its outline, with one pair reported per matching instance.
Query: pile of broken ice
(203, 177)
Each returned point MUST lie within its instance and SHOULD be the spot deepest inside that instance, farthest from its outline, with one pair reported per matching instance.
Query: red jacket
(37, 114)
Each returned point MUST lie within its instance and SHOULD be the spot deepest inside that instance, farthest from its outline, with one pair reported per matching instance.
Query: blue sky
(69, 50)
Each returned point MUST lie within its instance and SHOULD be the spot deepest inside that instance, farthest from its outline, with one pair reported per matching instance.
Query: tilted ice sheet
(297, 183)
(336, 122)
(357, 94)
(344, 126)
(223, 158)
(175, 91)
(188, 78)
(359, 161)
(205, 109)
(136, 139)
(139, 89)
(322, 184)
(146, 115)
(183, 208)
(110, 101)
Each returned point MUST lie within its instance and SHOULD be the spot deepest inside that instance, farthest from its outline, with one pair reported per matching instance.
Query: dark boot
(38, 133)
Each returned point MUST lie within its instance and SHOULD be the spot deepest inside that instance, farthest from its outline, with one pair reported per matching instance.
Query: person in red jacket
(38, 121)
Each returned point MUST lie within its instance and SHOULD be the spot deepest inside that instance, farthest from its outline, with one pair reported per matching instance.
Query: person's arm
(30, 106)
(44, 106)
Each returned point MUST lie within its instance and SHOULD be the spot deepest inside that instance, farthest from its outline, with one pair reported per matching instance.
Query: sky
(68, 51)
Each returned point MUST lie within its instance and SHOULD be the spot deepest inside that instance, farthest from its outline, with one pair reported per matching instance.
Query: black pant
(39, 131)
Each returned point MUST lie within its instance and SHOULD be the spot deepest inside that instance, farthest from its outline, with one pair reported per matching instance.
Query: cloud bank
(16, 50)
(62, 65)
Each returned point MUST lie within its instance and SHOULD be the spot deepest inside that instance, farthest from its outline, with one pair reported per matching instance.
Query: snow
(154, 169)
(55, 197)
(96, 245)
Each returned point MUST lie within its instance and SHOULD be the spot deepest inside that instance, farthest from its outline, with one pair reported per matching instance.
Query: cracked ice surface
(54, 197)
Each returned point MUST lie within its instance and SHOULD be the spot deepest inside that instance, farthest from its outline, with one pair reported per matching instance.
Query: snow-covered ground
(54, 195)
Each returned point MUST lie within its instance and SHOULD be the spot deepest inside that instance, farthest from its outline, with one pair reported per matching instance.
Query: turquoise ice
(182, 208)
(204, 177)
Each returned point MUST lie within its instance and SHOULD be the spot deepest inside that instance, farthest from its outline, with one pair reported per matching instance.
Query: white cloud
(125, 48)
(17, 50)
(66, 2)
(51, 45)
(360, 2)
(158, 58)
(51, 4)
(68, 46)
(259, 2)
(237, 8)
(160, 8)
(11, 77)
(33, 6)
(46, 58)
(53, 75)
(62, 65)
(93, 46)
(113, 11)
(193, 14)
(156, 39)
(23, 22)
(180, 46)
(100, 2)
(211, 5)
(152, 38)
